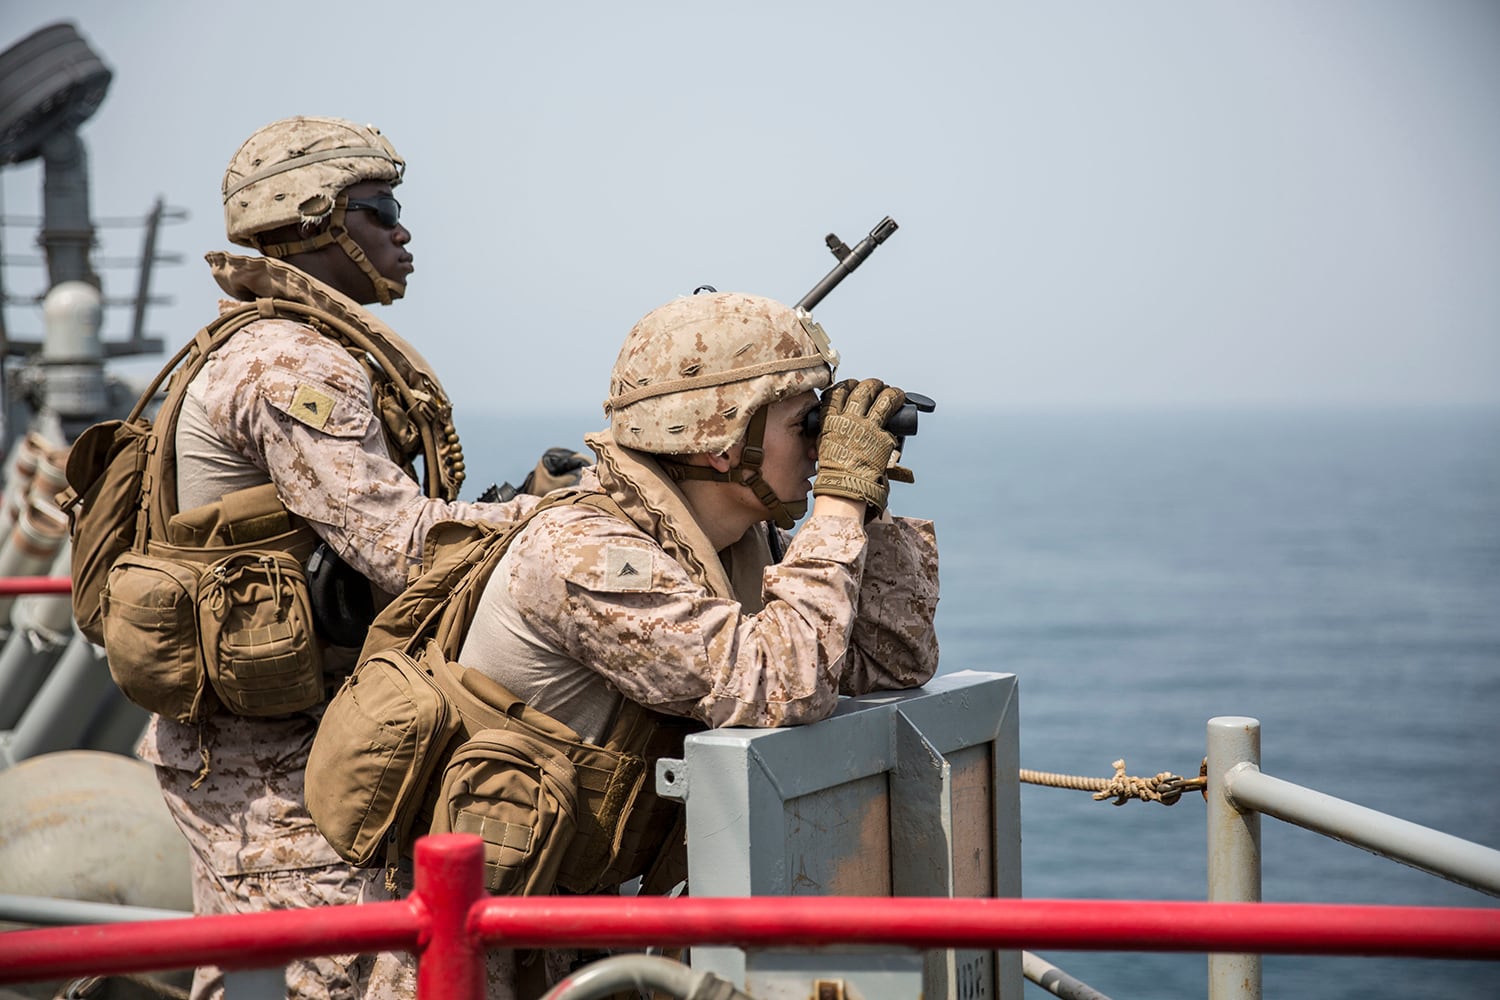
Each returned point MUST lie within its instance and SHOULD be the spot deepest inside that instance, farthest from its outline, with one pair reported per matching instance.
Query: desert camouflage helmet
(697, 374)
(692, 372)
(293, 171)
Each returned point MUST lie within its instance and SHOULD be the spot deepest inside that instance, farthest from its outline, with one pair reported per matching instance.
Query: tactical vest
(209, 607)
(414, 742)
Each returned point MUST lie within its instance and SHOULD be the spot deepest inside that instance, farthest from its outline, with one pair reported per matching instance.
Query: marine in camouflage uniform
(685, 608)
(279, 402)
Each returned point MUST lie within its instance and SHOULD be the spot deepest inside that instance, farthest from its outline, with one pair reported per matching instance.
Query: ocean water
(1335, 575)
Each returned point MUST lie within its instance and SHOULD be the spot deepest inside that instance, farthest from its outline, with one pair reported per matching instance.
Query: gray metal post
(41, 628)
(24, 666)
(1233, 850)
(67, 233)
(76, 688)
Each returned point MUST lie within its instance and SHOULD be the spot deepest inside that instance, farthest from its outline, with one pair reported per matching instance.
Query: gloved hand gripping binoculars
(902, 423)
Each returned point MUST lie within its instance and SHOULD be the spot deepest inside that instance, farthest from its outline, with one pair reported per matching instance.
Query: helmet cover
(693, 372)
(291, 171)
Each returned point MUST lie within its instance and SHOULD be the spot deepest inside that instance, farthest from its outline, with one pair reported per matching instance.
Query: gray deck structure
(906, 793)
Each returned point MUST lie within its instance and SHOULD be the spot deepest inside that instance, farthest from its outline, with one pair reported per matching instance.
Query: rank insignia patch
(311, 407)
(627, 568)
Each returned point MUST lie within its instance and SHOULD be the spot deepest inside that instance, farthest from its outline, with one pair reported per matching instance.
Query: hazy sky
(1140, 203)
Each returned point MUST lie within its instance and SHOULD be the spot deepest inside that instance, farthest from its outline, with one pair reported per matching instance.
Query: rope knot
(1123, 787)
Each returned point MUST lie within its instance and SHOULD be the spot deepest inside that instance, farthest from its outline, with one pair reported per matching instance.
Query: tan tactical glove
(557, 468)
(854, 448)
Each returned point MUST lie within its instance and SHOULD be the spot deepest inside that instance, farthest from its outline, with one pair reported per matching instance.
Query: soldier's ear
(718, 461)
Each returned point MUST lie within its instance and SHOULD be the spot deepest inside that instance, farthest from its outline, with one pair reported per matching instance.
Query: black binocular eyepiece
(902, 423)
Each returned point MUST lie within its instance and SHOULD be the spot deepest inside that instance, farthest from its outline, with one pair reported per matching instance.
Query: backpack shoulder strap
(457, 615)
(458, 559)
(159, 484)
(414, 395)
(159, 481)
(450, 553)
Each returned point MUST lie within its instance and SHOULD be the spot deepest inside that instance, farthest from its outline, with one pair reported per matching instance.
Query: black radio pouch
(342, 605)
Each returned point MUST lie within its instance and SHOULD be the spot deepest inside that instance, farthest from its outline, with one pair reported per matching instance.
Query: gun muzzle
(848, 260)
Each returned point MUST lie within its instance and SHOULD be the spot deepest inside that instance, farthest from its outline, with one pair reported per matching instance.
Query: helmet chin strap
(386, 290)
(785, 513)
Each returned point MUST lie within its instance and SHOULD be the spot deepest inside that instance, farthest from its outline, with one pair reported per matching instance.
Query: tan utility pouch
(381, 737)
(255, 625)
(606, 783)
(150, 619)
(520, 794)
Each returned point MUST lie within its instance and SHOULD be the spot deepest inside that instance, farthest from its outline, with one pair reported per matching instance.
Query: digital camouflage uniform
(584, 608)
(234, 784)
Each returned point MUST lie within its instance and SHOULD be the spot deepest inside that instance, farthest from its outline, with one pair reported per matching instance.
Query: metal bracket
(672, 779)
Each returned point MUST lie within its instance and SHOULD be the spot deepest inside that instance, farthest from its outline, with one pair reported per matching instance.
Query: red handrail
(449, 921)
(1088, 925)
(20, 586)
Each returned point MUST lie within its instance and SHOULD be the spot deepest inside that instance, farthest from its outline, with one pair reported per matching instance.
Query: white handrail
(1239, 794)
(1432, 851)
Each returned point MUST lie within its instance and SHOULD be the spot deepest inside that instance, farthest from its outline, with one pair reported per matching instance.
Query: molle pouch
(601, 855)
(149, 617)
(372, 759)
(256, 628)
(520, 796)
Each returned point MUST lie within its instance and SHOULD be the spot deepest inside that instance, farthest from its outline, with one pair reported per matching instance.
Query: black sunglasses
(386, 208)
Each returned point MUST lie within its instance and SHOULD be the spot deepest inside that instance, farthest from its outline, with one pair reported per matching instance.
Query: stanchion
(449, 881)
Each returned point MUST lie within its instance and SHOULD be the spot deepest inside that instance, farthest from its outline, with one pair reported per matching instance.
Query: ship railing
(1239, 793)
(449, 922)
(21, 586)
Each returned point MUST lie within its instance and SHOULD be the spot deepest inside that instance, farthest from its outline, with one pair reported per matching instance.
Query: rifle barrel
(848, 262)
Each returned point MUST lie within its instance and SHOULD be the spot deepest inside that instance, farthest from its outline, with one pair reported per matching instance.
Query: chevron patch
(627, 568)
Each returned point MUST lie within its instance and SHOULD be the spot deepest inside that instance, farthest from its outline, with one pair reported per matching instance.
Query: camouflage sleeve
(298, 406)
(607, 596)
(895, 635)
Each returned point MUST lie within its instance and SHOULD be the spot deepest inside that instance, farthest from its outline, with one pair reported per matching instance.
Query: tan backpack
(416, 743)
(104, 500)
(210, 607)
(195, 610)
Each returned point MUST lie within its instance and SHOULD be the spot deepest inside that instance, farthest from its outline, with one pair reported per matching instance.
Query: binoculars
(902, 423)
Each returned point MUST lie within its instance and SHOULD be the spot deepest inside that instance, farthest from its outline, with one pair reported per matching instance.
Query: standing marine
(281, 496)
